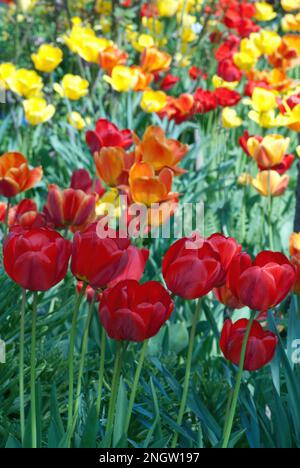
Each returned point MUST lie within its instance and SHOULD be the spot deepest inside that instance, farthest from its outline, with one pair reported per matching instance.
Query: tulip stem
(271, 243)
(114, 390)
(235, 396)
(33, 372)
(21, 364)
(187, 371)
(101, 370)
(71, 357)
(82, 357)
(135, 384)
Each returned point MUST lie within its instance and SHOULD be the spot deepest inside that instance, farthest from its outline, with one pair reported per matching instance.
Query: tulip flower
(25, 83)
(113, 165)
(107, 134)
(155, 61)
(291, 23)
(219, 82)
(69, 208)
(72, 87)
(167, 8)
(264, 11)
(84, 42)
(36, 259)
(26, 215)
(98, 261)
(47, 58)
(192, 268)
(230, 118)
(159, 151)
(267, 41)
(269, 151)
(263, 283)
(16, 176)
(168, 82)
(6, 70)
(37, 111)
(133, 312)
(270, 183)
(205, 101)
(227, 97)
(260, 348)
(76, 120)
(122, 79)
(290, 5)
(81, 180)
(225, 296)
(295, 258)
(179, 109)
(111, 57)
(153, 101)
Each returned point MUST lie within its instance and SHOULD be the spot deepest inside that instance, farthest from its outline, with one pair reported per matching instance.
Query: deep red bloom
(229, 71)
(99, 261)
(205, 101)
(263, 283)
(195, 73)
(168, 82)
(36, 259)
(260, 348)
(26, 215)
(133, 312)
(192, 268)
(149, 10)
(107, 134)
(227, 97)
(136, 262)
(81, 180)
(283, 167)
(69, 208)
(227, 248)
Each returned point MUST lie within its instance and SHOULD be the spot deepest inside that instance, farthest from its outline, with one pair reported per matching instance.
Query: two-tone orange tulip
(147, 188)
(113, 164)
(111, 57)
(159, 151)
(16, 176)
(154, 60)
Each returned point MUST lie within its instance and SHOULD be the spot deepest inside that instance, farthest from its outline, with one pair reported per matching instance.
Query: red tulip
(136, 262)
(26, 215)
(260, 348)
(227, 97)
(36, 259)
(192, 268)
(107, 135)
(205, 101)
(98, 261)
(229, 71)
(81, 180)
(263, 283)
(168, 82)
(69, 208)
(134, 312)
(227, 248)
(225, 296)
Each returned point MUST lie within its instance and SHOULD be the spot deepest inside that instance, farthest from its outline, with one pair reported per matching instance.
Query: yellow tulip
(122, 79)
(263, 100)
(270, 183)
(270, 151)
(47, 58)
(26, 83)
(153, 101)
(6, 70)
(267, 41)
(230, 118)
(167, 8)
(77, 121)
(218, 82)
(156, 27)
(290, 5)
(84, 42)
(244, 60)
(291, 23)
(142, 41)
(72, 87)
(245, 179)
(264, 11)
(37, 110)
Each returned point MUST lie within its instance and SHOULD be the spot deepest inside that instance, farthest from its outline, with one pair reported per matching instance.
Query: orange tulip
(143, 79)
(178, 109)
(146, 188)
(159, 151)
(154, 60)
(16, 176)
(288, 54)
(111, 57)
(113, 164)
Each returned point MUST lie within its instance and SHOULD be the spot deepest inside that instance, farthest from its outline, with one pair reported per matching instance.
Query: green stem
(270, 227)
(114, 389)
(101, 371)
(231, 415)
(82, 357)
(33, 373)
(135, 384)
(187, 371)
(71, 357)
(21, 365)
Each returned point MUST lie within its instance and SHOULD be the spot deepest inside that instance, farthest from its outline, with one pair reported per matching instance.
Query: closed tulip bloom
(192, 268)
(81, 180)
(36, 259)
(122, 79)
(263, 283)
(111, 57)
(47, 58)
(227, 248)
(25, 83)
(268, 152)
(37, 111)
(16, 176)
(290, 5)
(6, 70)
(72, 87)
(159, 151)
(264, 11)
(134, 312)
(110, 164)
(69, 208)
(230, 119)
(260, 348)
(83, 41)
(270, 183)
(154, 60)
(153, 101)
(26, 215)
(98, 261)
(107, 134)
